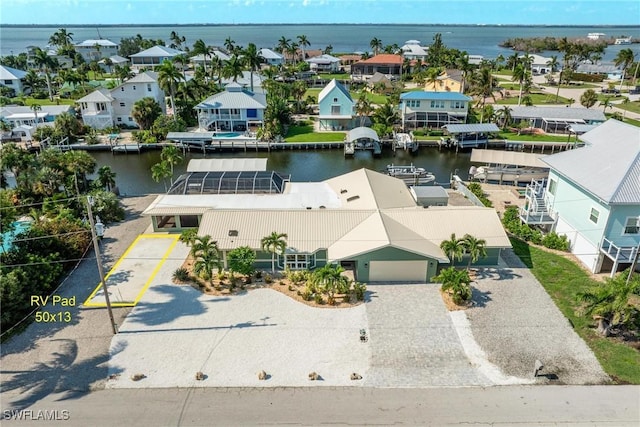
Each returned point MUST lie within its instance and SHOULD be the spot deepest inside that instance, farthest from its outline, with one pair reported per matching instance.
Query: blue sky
(528, 12)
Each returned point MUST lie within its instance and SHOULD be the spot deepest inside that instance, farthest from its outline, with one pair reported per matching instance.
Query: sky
(518, 12)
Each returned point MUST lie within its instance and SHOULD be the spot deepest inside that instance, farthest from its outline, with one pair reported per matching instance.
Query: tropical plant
(241, 260)
(188, 237)
(453, 248)
(145, 111)
(505, 116)
(303, 42)
(171, 155)
(168, 78)
(476, 248)
(611, 303)
(330, 280)
(106, 178)
(520, 74)
(232, 68)
(624, 58)
(160, 172)
(252, 59)
(207, 257)
(45, 64)
(456, 283)
(35, 108)
(376, 45)
(275, 243)
(201, 48)
(363, 108)
(588, 98)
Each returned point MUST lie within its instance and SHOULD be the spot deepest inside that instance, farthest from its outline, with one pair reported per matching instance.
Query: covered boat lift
(468, 135)
(362, 138)
(507, 165)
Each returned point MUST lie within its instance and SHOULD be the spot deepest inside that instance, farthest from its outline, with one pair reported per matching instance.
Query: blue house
(234, 109)
(433, 109)
(592, 196)
(337, 108)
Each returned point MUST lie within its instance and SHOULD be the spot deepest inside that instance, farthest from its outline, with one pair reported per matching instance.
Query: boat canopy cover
(362, 133)
(472, 128)
(500, 157)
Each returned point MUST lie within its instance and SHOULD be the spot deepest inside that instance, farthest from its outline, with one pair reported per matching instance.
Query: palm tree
(606, 103)
(35, 108)
(145, 111)
(625, 58)
(171, 155)
(183, 60)
(160, 172)
(107, 177)
(476, 248)
(454, 248)
(589, 98)
(432, 77)
(293, 52)
(201, 48)
(520, 74)
(505, 116)
(207, 256)
(363, 108)
(283, 45)
(456, 283)
(45, 64)
(376, 45)
(252, 59)
(274, 243)
(329, 279)
(123, 72)
(625, 102)
(232, 68)
(483, 85)
(61, 38)
(303, 42)
(168, 77)
(32, 82)
(229, 44)
(466, 68)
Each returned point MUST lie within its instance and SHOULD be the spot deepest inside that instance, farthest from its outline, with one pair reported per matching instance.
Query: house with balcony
(448, 81)
(105, 108)
(388, 64)
(152, 57)
(336, 107)
(324, 63)
(271, 57)
(12, 78)
(592, 196)
(95, 50)
(420, 109)
(234, 109)
(414, 51)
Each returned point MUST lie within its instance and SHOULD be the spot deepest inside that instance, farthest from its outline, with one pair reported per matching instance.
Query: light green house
(363, 220)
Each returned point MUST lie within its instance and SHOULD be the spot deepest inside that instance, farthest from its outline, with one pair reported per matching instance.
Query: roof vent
(323, 207)
(343, 191)
(233, 233)
(308, 208)
(352, 198)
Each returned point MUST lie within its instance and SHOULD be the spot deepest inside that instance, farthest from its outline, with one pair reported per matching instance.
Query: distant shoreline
(308, 24)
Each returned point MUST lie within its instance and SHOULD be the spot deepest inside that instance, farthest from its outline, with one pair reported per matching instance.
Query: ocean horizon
(477, 39)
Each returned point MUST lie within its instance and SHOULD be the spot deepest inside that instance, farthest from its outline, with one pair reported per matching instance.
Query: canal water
(133, 171)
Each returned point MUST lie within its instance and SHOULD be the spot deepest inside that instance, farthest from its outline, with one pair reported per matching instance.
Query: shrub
(456, 283)
(307, 295)
(318, 299)
(555, 241)
(268, 278)
(181, 275)
(258, 274)
(476, 189)
(359, 290)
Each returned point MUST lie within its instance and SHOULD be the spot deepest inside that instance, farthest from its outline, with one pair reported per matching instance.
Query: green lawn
(573, 86)
(536, 98)
(508, 73)
(540, 138)
(603, 96)
(342, 76)
(306, 134)
(563, 280)
(633, 106)
(30, 101)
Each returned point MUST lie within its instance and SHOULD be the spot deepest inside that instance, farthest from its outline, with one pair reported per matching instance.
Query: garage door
(398, 271)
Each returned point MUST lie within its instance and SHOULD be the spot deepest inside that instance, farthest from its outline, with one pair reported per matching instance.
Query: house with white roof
(245, 80)
(104, 108)
(96, 49)
(12, 78)
(414, 51)
(336, 107)
(152, 57)
(115, 60)
(24, 120)
(200, 58)
(234, 109)
(610, 69)
(593, 197)
(363, 220)
(324, 62)
(539, 64)
(424, 109)
(271, 57)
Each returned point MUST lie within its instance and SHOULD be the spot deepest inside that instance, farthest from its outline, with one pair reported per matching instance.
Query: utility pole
(96, 249)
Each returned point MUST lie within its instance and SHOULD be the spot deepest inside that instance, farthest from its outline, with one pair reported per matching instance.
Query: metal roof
(231, 98)
(211, 165)
(333, 84)
(270, 54)
(98, 95)
(471, 128)
(362, 132)
(157, 51)
(580, 128)
(8, 73)
(608, 166)
(501, 157)
(190, 136)
(99, 42)
(144, 77)
(426, 191)
(575, 113)
(428, 95)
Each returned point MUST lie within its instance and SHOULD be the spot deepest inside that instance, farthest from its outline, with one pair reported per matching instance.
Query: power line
(39, 203)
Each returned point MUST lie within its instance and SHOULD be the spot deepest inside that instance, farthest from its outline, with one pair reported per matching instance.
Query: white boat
(624, 40)
(509, 173)
(411, 175)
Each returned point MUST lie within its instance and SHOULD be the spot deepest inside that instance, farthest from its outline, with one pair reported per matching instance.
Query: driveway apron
(413, 341)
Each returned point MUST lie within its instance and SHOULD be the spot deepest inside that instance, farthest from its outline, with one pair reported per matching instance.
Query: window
(122, 89)
(8, 82)
(593, 216)
(553, 184)
(299, 261)
(120, 119)
(122, 104)
(632, 226)
(148, 87)
(335, 109)
(458, 105)
(189, 221)
(335, 99)
(437, 104)
(413, 103)
(134, 87)
(130, 119)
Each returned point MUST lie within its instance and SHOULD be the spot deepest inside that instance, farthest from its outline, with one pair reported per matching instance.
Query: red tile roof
(384, 58)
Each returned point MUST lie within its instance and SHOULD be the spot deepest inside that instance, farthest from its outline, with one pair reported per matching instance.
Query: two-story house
(387, 64)
(326, 63)
(448, 81)
(593, 197)
(271, 57)
(432, 109)
(104, 108)
(414, 51)
(336, 107)
(12, 78)
(234, 109)
(95, 50)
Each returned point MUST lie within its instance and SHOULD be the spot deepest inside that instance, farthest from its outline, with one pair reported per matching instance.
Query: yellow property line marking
(160, 263)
